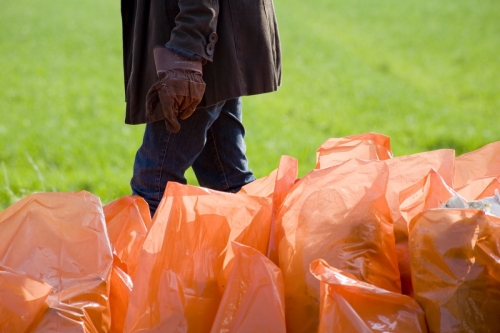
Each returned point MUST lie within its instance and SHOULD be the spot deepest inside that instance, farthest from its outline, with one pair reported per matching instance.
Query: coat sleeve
(195, 27)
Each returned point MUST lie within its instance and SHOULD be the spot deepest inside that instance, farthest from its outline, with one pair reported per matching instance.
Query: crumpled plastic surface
(338, 214)
(480, 163)
(455, 264)
(275, 186)
(429, 192)
(480, 188)
(202, 264)
(349, 305)
(127, 220)
(22, 300)
(253, 299)
(61, 238)
(369, 146)
(119, 295)
(405, 171)
(186, 258)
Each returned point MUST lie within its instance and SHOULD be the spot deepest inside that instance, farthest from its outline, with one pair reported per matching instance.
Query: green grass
(425, 73)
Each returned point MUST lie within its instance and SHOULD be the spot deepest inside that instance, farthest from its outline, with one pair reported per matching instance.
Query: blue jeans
(211, 141)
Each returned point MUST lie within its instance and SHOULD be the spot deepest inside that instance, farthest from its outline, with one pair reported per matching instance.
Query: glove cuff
(166, 59)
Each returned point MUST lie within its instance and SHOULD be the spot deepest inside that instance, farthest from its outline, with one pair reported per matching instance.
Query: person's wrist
(166, 60)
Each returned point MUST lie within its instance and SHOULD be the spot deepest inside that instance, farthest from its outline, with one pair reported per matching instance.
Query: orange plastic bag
(480, 188)
(349, 305)
(480, 163)
(253, 299)
(119, 295)
(369, 146)
(186, 258)
(127, 221)
(22, 300)
(61, 239)
(454, 256)
(430, 192)
(405, 171)
(338, 214)
(275, 186)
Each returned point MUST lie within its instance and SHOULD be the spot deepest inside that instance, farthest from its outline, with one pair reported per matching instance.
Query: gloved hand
(179, 89)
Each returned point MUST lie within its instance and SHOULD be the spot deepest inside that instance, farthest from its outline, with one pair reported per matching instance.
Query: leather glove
(179, 89)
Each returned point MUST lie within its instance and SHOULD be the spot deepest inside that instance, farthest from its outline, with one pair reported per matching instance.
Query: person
(187, 63)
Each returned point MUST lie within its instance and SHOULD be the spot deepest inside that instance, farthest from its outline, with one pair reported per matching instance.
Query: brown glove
(179, 89)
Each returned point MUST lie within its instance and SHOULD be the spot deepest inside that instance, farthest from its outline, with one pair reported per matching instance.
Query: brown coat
(238, 38)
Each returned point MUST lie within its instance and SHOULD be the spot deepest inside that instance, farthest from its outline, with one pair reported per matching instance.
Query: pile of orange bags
(365, 242)
(58, 246)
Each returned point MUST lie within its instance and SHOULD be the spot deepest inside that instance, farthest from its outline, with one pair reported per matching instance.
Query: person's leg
(165, 156)
(222, 165)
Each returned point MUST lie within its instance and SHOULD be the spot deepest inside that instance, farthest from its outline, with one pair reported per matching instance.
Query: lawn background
(425, 73)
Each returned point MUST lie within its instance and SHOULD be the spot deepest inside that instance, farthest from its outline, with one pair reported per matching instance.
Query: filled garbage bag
(369, 146)
(431, 191)
(186, 259)
(455, 264)
(127, 220)
(253, 299)
(350, 305)
(405, 171)
(275, 186)
(428, 193)
(338, 214)
(22, 300)
(480, 163)
(61, 238)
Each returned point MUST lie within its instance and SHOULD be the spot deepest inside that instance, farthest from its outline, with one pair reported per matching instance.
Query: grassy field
(425, 73)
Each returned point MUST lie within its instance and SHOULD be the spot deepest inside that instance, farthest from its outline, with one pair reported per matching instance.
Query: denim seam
(164, 154)
(218, 160)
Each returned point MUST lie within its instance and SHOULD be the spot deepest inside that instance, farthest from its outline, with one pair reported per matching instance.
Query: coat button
(210, 49)
(213, 38)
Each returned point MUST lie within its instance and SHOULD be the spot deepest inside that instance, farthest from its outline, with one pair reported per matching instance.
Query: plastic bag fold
(275, 186)
(480, 188)
(253, 300)
(480, 163)
(429, 192)
(61, 238)
(455, 265)
(405, 171)
(339, 214)
(127, 220)
(369, 146)
(22, 300)
(349, 305)
(186, 259)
